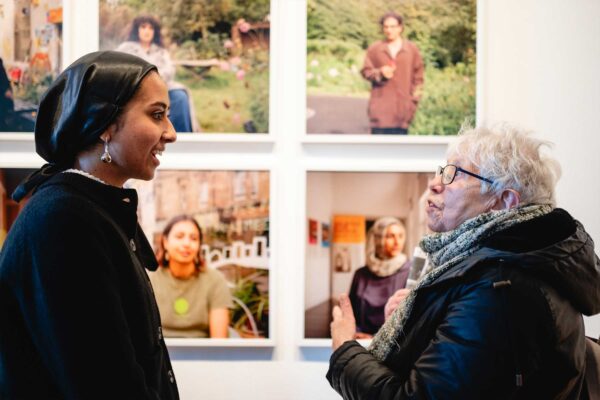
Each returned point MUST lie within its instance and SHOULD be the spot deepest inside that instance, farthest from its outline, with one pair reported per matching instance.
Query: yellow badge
(181, 306)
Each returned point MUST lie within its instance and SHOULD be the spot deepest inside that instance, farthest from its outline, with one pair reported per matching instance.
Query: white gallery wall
(538, 65)
(541, 69)
(319, 206)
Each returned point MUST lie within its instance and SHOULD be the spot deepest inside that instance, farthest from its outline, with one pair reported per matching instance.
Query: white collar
(86, 174)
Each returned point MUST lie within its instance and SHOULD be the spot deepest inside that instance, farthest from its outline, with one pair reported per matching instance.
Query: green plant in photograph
(226, 100)
(252, 309)
(33, 87)
(334, 68)
(447, 101)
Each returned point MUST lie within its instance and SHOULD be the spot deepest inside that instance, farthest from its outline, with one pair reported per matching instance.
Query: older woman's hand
(343, 326)
(394, 301)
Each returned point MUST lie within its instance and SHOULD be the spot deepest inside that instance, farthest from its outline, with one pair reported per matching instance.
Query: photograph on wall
(210, 232)
(390, 66)
(30, 58)
(10, 209)
(325, 235)
(213, 55)
(313, 231)
(373, 242)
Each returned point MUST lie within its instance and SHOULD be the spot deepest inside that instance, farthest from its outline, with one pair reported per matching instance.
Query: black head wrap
(79, 105)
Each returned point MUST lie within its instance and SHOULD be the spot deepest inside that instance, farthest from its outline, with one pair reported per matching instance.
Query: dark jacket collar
(119, 203)
(555, 248)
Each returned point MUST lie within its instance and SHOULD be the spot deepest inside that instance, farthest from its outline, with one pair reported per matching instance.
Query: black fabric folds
(79, 105)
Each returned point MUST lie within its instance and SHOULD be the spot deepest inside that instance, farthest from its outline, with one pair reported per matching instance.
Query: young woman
(193, 300)
(79, 319)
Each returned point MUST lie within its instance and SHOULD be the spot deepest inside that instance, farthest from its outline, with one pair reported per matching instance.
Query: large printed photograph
(30, 58)
(210, 234)
(363, 234)
(390, 66)
(214, 56)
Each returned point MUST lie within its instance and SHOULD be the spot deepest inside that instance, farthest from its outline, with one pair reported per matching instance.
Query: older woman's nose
(435, 184)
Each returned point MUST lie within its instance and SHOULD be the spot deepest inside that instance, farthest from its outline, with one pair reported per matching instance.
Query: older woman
(79, 319)
(385, 273)
(500, 313)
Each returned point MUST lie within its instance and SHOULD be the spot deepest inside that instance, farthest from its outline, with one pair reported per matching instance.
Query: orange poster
(349, 229)
(55, 15)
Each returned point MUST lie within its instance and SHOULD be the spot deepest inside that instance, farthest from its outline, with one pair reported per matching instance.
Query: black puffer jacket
(510, 312)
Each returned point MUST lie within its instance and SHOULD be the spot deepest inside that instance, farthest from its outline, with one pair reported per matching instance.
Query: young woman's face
(183, 242)
(393, 241)
(141, 133)
(146, 33)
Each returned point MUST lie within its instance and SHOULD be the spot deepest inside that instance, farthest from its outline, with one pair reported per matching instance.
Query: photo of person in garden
(145, 41)
(390, 67)
(214, 55)
(394, 68)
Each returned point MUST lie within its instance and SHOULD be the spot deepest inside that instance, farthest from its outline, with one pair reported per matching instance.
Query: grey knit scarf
(445, 251)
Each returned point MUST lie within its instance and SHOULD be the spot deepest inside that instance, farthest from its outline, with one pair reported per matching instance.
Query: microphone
(418, 268)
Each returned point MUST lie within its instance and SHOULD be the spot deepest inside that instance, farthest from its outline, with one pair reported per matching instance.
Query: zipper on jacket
(505, 284)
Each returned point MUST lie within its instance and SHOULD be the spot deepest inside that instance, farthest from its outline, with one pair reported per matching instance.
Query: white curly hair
(512, 158)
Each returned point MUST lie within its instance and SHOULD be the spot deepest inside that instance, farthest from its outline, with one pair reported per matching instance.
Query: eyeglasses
(448, 173)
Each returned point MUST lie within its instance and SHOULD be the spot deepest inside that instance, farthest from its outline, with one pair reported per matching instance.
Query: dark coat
(513, 308)
(78, 319)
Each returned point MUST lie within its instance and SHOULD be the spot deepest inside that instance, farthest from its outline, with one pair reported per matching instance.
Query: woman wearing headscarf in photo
(145, 41)
(78, 316)
(386, 272)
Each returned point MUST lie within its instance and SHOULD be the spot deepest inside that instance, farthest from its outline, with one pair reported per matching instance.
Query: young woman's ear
(108, 132)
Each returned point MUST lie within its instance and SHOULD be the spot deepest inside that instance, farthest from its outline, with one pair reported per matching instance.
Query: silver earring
(105, 157)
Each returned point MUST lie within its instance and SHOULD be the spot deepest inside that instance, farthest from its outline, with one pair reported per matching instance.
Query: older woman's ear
(509, 198)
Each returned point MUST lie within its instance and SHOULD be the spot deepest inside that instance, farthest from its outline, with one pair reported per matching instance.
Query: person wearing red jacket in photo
(394, 68)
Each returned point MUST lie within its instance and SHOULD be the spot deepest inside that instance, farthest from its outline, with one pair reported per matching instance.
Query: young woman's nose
(169, 135)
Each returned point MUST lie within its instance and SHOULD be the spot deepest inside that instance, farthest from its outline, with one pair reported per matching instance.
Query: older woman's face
(393, 240)
(448, 206)
(183, 242)
(142, 132)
